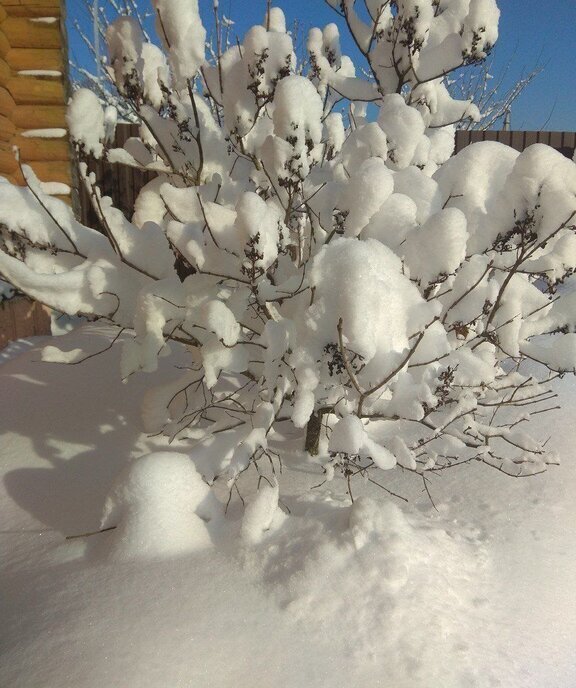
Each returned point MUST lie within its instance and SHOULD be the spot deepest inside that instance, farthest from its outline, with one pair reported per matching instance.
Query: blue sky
(536, 32)
(532, 33)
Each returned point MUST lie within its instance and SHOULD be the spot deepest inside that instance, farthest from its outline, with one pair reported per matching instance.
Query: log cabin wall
(33, 94)
(33, 87)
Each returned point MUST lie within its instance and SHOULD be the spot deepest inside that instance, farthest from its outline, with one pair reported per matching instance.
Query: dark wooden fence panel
(569, 141)
(123, 183)
(562, 141)
(517, 140)
(120, 182)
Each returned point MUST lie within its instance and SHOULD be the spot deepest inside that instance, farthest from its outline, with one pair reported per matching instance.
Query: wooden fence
(20, 317)
(122, 184)
(562, 141)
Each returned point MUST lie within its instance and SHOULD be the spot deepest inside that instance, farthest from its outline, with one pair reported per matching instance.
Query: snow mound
(389, 589)
(479, 594)
(159, 507)
(261, 514)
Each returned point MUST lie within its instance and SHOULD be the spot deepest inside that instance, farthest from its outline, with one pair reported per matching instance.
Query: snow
(55, 188)
(85, 120)
(389, 276)
(40, 72)
(297, 120)
(348, 436)
(437, 247)
(217, 357)
(380, 593)
(158, 508)
(366, 142)
(297, 111)
(301, 274)
(6, 290)
(275, 20)
(391, 224)
(482, 20)
(52, 354)
(382, 299)
(365, 310)
(403, 126)
(334, 69)
(44, 20)
(258, 223)
(558, 352)
(180, 28)
(44, 133)
(368, 189)
(335, 133)
(110, 121)
(260, 513)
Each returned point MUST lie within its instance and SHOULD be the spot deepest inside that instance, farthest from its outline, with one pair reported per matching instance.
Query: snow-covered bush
(337, 278)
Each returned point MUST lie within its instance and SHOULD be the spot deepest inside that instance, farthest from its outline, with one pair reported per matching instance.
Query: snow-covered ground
(477, 592)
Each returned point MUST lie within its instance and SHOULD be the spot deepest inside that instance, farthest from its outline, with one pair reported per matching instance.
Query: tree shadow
(80, 424)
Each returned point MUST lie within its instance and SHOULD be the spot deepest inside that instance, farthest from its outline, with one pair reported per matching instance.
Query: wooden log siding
(33, 90)
(32, 97)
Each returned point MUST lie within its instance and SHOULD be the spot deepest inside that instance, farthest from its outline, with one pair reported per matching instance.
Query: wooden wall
(33, 84)
(33, 90)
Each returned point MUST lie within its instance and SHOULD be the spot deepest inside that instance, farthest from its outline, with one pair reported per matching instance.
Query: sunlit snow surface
(477, 593)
